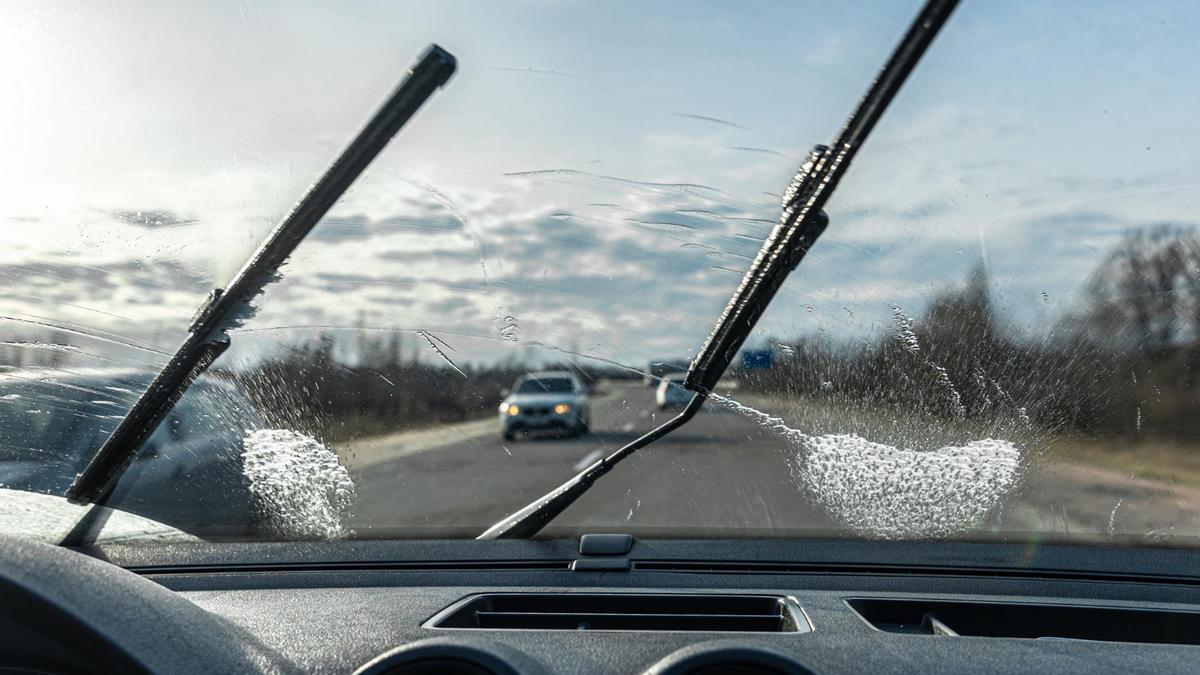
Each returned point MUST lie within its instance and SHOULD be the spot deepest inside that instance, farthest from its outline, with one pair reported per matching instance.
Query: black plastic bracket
(603, 545)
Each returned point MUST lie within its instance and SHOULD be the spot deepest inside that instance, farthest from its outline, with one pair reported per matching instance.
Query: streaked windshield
(993, 339)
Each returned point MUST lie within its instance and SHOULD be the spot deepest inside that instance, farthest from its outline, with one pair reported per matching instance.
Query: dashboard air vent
(624, 612)
(1028, 620)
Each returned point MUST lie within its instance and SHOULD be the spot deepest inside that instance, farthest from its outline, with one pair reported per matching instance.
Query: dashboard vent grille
(1020, 620)
(718, 613)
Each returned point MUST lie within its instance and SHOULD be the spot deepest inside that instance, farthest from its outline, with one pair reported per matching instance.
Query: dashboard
(655, 607)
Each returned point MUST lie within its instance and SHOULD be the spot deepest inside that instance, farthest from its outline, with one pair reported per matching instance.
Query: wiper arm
(801, 222)
(208, 333)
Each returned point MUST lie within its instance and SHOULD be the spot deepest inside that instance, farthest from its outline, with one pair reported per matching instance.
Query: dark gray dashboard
(339, 629)
(334, 607)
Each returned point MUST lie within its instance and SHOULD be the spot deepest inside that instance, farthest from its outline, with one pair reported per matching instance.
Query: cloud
(453, 305)
(1073, 217)
(51, 274)
(446, 255)
(625, 269)
(151, 218)
(359, 227)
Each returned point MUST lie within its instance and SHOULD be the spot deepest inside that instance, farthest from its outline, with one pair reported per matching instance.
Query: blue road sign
(758, 359)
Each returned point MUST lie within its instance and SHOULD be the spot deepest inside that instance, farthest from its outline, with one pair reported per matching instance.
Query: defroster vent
(716, 613)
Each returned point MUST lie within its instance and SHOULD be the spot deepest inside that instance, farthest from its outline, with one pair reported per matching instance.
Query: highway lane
(720, 473)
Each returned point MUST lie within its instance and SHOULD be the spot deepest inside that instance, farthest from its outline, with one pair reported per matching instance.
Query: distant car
(670, 392)
(549, 400)
(188, 474)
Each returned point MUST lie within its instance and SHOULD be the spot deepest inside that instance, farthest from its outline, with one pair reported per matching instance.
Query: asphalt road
(720, 473)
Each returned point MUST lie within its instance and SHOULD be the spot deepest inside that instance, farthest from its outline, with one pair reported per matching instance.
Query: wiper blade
(208, 333)
(801, 222)
(803, 218)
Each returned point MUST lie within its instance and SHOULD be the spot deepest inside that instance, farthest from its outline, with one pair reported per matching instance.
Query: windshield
(994, 338)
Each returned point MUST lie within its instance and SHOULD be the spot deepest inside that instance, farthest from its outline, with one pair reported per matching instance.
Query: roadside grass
(1156, 459)
(353, 428)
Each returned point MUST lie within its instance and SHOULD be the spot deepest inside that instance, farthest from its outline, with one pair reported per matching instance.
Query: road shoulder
(365, 452)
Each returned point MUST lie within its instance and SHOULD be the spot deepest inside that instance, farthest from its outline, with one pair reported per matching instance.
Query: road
(721, 472)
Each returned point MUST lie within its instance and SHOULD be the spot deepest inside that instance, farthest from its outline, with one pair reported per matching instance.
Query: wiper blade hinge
(208, 332)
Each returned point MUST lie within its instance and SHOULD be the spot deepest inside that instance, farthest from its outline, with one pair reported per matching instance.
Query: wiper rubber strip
(801, 222)
(208, 333)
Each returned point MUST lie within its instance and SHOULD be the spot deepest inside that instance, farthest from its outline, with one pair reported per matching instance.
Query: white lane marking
(588, 459)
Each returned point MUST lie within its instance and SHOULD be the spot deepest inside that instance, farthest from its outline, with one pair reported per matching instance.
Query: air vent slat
(622, 611)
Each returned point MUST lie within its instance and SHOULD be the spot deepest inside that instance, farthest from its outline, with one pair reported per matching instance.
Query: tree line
(387, 386)
(1123, 361)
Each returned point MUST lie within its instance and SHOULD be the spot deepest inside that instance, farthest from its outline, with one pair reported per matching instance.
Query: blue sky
(600, 172)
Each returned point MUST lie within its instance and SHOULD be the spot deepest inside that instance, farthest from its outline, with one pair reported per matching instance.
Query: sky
(595, 178)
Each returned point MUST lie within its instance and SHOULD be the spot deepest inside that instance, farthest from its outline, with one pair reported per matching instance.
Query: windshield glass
(997, 334)
(993, 339)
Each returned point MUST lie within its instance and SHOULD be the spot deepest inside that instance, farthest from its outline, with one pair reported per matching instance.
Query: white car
(553, 400)
(670, 392)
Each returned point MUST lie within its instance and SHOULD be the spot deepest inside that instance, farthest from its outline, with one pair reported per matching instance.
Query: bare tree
(1143, 297)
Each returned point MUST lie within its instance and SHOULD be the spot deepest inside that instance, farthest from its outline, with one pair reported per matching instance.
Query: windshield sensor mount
(225, 309)
(801, 222)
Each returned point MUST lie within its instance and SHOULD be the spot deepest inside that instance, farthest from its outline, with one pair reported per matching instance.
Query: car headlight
(513, 410)
(562, 408)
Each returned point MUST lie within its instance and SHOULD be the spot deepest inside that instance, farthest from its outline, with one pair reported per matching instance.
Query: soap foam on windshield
(303, 490)
(887, 491)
